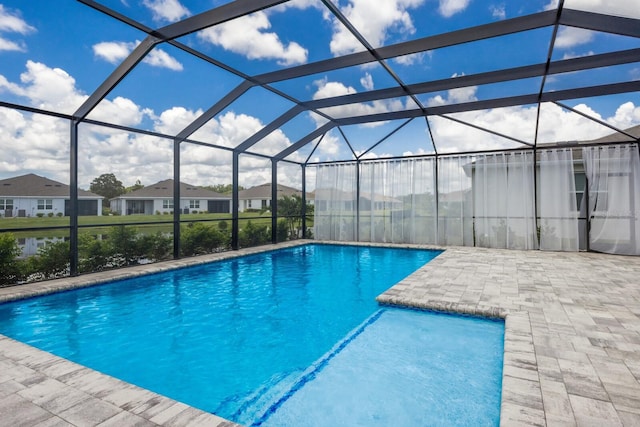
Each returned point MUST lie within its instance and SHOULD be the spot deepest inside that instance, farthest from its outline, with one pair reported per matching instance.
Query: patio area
(572, 342)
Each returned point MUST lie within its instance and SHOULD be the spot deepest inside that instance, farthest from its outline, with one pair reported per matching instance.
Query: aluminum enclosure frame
(554, 18)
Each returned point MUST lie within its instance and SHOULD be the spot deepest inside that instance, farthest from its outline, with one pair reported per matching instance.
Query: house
(158, 198)
(32, 195)
(259, 197)
(326, 199)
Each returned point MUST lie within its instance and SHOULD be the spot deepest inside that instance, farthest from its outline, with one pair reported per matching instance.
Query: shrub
(282, 230)
(59, 214)
(50, 214)
(198, 238)
(39, 214)
(254, 235)
(93, 254)
(222, 225)
(123, 245)
(52, 260)
(10, 266)
(155, 247)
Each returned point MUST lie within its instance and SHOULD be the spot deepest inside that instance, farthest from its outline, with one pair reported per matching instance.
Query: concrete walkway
(572, 343)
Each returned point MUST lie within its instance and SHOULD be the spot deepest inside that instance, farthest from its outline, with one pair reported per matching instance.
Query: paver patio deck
(572, 342)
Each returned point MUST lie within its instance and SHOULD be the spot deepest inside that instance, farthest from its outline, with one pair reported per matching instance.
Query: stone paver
(572, 342)
(572, 328)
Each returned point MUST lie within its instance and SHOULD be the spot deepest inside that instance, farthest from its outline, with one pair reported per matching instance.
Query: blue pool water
(402, 368)
(229, 337)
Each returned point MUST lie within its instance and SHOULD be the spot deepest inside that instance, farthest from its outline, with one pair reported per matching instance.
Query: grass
(58, 226)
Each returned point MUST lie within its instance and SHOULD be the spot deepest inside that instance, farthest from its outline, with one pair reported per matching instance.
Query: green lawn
(100, 224)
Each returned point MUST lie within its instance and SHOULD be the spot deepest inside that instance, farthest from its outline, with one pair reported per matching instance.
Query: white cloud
(327, 89)
(498, 11)
(121, 110)
(367, 81)
(570, 55)
(48, 88)
(248, 36)
(8, 45)
(374, 23)
(556, 125)
(166, 10)
(38, 143)
(454, 96)
(626, 115)
(413, 58)
(160, 58)
(568, 37)
(115, 52)
(330, 145)
(11, 22)
(448, 8)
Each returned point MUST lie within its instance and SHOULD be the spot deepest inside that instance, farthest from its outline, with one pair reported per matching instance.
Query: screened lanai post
(358, 200)
(73, 199)
(547, 67)
(235, 228)
(176, 198)
(304, 201)
(435, 152)
(274, 201)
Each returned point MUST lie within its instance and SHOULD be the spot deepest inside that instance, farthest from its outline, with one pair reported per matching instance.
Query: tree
(222, 188)
(138, 185)
(290, 209)
(108, 186)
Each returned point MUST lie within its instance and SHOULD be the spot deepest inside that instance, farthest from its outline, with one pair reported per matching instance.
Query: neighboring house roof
(32, 185)
(620, 137)
(614, 137)
(164, 189)
(334, 194)
(263, 192)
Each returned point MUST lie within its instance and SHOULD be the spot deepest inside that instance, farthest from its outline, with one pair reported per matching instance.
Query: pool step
(250, 407)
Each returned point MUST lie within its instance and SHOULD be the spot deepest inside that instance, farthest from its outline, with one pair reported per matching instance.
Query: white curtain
(455, 201)
(613, 175)
(557, 203)
(335, 202)
(397, 201)
(504, 200)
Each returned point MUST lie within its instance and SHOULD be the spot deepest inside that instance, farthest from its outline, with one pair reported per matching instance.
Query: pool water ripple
(216, 334)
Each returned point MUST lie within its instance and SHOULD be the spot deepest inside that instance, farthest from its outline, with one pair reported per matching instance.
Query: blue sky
(53, 54)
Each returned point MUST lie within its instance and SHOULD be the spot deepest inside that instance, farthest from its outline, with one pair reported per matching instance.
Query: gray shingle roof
(263, 191)
(164, 189)
(32, 185)
(619, 137)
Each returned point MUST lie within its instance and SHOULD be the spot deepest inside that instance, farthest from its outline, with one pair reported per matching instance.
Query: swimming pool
(224, 337)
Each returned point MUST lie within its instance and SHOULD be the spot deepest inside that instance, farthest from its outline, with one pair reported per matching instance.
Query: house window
(194, 204)
(44, 204)
(6, 204)
(167, 204)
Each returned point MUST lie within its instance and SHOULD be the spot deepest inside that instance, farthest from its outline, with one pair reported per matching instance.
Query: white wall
(30, 206)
